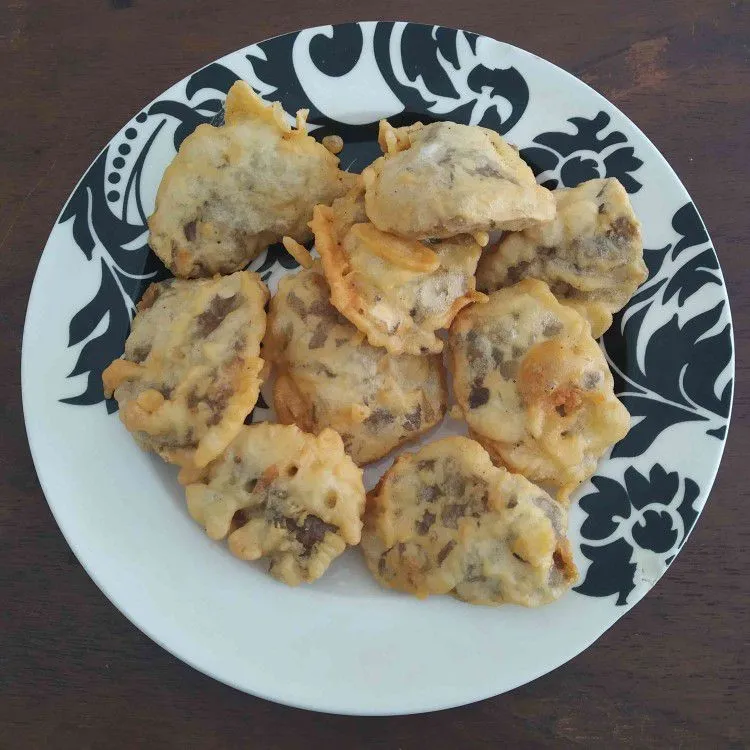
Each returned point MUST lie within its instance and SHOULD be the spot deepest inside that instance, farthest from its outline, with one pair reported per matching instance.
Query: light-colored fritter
(327, 375)
(190, 373)
(444, 179)
(445, 520)
(279, 493)
(398, 292)
(591, 254)
(534, 386)
(233, 190)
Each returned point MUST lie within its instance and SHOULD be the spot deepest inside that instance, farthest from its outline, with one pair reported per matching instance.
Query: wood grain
(75, 673)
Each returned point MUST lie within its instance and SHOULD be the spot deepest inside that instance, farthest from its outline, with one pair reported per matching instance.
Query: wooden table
(75, 673)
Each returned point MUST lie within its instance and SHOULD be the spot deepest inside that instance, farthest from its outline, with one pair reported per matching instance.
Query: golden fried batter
(280, 493)
(534, 386)
(398, 292)
(445, 179)
(327, 375)
(445, 520)
(591, 254)
(190, 372)
(233, 190)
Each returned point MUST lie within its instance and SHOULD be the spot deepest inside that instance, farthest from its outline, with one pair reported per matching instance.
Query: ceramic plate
(343, 644)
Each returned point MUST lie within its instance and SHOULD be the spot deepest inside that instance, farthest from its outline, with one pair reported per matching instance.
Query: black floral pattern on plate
(683, 361)
(432, 53)
(642, 515)
(682, 364)
(127, 265)
(568, 159)
(103, 230)
(427, 52)
(673, 381)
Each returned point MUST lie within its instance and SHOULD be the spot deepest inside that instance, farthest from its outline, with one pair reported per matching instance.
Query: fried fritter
(190, 373)
(445, 520)
(398, 292)
(327, 375)
(591, 254)
(534, 386)
(445, 179)
(279, 493)
(233, 190)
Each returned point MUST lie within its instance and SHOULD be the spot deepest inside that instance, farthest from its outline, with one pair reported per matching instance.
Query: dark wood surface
(75, 673)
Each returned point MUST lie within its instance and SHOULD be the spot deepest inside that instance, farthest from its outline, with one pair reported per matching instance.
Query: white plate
(343, 644)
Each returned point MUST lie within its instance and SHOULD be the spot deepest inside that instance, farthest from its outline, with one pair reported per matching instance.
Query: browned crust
(290, 405)
(152, 413)
(149, 297)
(351, 304)
(392, 140)
(344, 296)
(563, 560)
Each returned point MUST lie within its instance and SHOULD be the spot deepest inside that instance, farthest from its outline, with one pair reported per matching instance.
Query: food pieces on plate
(279, 493)
(398, 292)
(534, 386)
(355, 342)
(445, 179)
(233, 190)
(591, 254)
(327, 375)
(334, 143)
(190, 373)
(392, 140)
(445, 520)
(299, 252)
